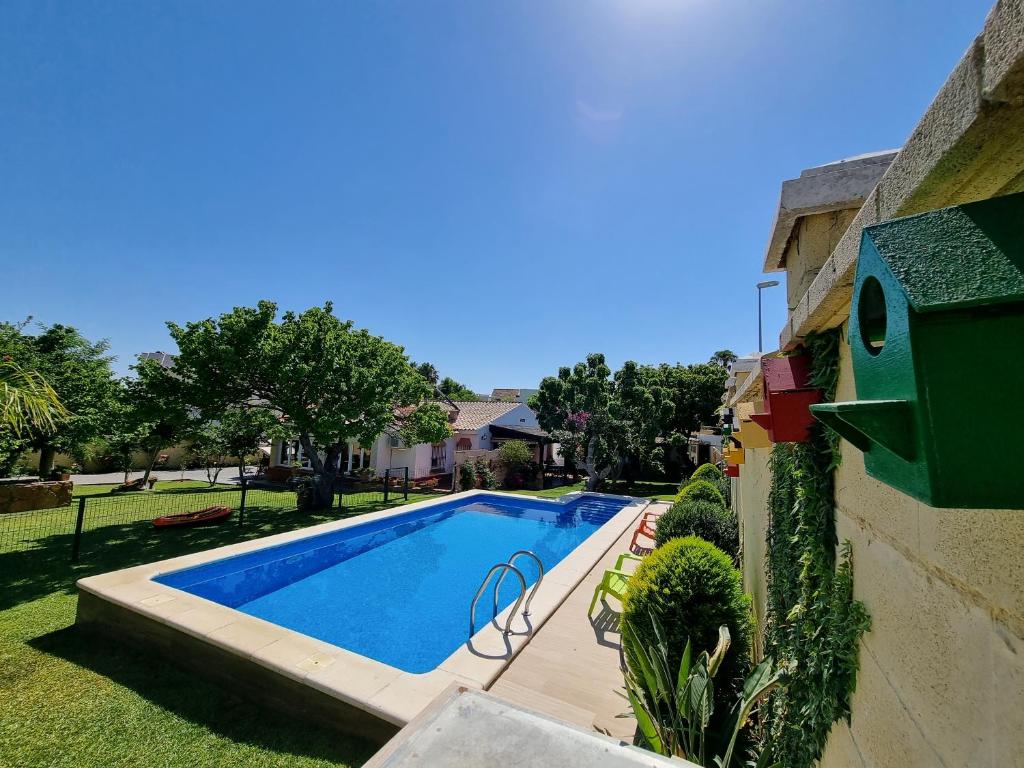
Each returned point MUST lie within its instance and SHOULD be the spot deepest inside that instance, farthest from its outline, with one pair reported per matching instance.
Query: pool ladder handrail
(540, 578)
(505, 568)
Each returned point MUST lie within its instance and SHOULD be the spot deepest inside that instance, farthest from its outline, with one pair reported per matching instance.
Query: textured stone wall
(942, 669)
(22, 497)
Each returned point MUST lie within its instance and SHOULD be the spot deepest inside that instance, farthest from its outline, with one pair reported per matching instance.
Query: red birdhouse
(788, 397)
(732, 470)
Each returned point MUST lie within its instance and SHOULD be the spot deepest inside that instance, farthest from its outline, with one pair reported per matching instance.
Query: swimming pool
(359, 624)
(399, 590)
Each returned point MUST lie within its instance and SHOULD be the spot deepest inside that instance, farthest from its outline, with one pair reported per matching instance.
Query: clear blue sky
(500, 187)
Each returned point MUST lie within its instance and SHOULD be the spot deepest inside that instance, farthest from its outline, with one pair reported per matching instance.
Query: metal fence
(116, 519)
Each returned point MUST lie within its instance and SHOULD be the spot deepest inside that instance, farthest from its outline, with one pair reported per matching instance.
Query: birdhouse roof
(963, 256)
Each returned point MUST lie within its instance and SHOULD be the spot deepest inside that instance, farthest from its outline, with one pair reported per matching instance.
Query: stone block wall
(23, 497)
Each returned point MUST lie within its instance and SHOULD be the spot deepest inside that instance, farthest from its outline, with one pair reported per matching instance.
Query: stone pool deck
(570, 668)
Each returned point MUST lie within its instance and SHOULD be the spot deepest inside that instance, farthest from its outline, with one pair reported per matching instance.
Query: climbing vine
(813, 623)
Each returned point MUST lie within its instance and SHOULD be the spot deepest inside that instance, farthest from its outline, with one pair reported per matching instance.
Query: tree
(428, 419)
(157, 411)
(574, 408)
(723, 358)
(453, 390)
(427, 370)
(79, 373)
(236, 434)
(696, 394)
(326, 382)
(27, 401)
(640, 408)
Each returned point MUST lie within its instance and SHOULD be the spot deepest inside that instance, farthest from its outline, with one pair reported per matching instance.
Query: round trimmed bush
(691, 587)
(691, 517)
(701, 490)
(708, 472)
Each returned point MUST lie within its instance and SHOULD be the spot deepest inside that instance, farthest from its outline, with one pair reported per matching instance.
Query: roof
(519, 395)
(837, 186)
(474, 414)
(165, 359)
(962, 256)
(521, 432)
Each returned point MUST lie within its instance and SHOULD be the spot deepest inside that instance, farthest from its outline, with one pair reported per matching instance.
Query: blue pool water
(399, 590)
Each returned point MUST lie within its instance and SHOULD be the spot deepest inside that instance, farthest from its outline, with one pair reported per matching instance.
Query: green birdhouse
(937, 339)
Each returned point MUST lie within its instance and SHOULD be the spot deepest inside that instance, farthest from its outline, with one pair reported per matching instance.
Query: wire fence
(113, 519)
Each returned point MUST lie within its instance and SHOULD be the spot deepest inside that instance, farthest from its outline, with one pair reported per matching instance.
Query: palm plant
(27, 401)
(673, 711)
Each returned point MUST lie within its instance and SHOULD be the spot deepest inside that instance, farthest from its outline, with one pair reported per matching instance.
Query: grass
(72, 698)
(659, 491)
(163, 486)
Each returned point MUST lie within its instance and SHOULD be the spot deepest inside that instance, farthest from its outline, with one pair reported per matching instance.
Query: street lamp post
(760, 287)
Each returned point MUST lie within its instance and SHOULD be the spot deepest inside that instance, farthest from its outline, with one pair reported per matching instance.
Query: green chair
(614, 581)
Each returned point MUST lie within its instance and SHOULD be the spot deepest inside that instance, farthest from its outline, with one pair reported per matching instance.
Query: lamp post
(761, 287)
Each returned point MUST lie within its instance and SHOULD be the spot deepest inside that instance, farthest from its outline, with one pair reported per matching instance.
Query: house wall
(521, 416)
(941, 680)
(750, 494)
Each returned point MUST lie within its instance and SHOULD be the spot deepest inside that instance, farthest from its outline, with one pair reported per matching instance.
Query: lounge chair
(614, 581)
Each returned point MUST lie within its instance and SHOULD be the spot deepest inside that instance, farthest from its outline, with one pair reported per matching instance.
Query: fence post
(241, 503)
(79, 522)
(455, 478)
(387, 484)
(405, 486)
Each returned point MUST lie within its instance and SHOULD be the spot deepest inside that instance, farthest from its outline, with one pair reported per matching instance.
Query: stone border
(240, 650)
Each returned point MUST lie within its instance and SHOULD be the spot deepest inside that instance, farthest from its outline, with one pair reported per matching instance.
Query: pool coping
(383, 691)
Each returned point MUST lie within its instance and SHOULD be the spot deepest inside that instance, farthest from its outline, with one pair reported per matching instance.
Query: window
(395, 441)
(464, 444)
(438, 456)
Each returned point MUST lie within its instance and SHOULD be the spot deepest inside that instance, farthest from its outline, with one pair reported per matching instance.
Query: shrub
(691, 517)
(515, 453)
(708, 472)
(701, 490)
(484, 472)
(467, 476)
(691, 587)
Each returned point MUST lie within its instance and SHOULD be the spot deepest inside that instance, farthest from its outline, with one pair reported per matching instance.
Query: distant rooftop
(166, 359)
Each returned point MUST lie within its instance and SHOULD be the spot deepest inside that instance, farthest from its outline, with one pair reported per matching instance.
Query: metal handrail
(522, 583)
(540, 578)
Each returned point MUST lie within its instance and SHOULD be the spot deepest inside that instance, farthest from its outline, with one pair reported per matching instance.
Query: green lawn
(641, 488)
(70, 698)
(161, 487)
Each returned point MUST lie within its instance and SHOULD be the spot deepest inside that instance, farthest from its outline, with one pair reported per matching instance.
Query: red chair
(645, 528)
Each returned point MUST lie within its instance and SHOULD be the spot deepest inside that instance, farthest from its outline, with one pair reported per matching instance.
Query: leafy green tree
(453, 390)
(326, 381)
(428, 371)
(27, 401)
(235, 434)
(428, 419)
(696, 394)
(79, 373)
(640, 407)
(723, 358)
(574, 408)
(157, 411)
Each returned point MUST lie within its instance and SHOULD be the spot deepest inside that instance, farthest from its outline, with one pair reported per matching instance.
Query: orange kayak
(208, 515)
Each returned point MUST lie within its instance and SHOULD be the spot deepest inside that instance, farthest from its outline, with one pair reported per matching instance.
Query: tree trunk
(149, 467)
(241, 469)
(594, 476)
(325, 470)
(46, 456)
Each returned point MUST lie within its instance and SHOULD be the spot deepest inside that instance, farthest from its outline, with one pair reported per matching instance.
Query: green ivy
(813, 623)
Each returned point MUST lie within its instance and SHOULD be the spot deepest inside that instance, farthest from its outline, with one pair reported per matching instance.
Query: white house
(471, 421)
